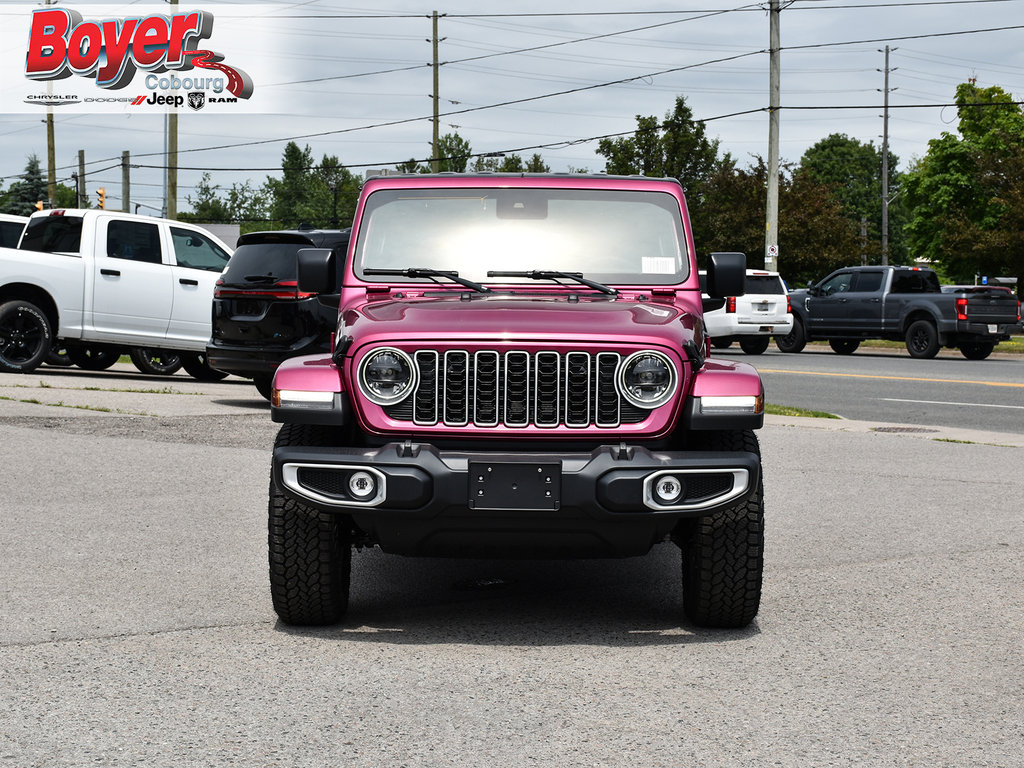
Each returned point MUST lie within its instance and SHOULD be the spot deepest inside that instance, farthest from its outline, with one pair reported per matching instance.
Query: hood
(584, 320)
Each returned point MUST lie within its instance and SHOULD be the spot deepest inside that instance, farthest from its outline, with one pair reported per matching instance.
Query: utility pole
(434, 160)
(126, 194)
(172, 152)
(863, 241)
(885, 161)
(83, 196)
(51, 151)
(51, 148)
(771, 232)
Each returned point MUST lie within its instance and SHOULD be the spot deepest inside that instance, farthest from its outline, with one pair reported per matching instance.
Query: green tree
(536, 164)
(964, 196)
(511, 163)
(487, 163)
(206, 203)
(289, 193)
(453, 153)
(22, 195)
(412, 166)
(331, 196)
(676, 147)
(853, 170)
(67, 198)
(814, 235)
(242, 203)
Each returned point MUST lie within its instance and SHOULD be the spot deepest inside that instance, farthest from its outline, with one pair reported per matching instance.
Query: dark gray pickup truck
(900, 304)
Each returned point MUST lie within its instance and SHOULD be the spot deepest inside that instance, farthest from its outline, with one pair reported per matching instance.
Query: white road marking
(940, 402)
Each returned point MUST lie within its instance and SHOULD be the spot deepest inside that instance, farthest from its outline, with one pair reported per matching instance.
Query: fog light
(362, 485)
(668, 489)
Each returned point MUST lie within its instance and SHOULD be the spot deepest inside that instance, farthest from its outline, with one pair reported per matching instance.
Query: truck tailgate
(994, 308)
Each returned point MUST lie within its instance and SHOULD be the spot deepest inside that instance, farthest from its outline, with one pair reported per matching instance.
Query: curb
(926, 432)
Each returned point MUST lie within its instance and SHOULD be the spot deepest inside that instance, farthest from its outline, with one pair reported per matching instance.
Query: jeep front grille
(516, 389)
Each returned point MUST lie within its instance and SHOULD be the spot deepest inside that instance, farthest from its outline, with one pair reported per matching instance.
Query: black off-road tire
(198, 367)
(795, 340)
(93, 357)
(264, 384)
(723, 553)
(922, 340)
(58, 356)
(844, 346)
(755, 345)
(721, 343)
(25, 336)
(157, 362)
(977, 350)
(310, 551)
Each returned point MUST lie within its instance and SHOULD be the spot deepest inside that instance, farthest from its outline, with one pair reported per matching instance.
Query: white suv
(753, 318)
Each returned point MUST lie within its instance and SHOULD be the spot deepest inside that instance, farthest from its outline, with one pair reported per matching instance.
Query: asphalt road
(137, 628)
(890, 386)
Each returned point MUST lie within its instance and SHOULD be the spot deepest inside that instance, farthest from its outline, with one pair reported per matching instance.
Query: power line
(403, 121)
(706, 14)
(563, 143)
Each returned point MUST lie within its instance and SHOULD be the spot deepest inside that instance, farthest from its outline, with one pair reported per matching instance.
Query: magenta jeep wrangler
(520, 369)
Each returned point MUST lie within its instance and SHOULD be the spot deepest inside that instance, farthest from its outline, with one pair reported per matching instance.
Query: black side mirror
(727, 274)
(317, 270)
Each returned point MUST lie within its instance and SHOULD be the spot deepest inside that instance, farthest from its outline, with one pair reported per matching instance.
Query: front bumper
(418, 500)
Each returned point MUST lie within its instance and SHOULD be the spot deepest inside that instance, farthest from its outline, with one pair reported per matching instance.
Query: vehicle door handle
(186, 281)
(111, 272)
(843, 301)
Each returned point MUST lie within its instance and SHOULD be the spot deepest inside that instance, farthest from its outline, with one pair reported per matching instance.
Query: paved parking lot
(138, 629)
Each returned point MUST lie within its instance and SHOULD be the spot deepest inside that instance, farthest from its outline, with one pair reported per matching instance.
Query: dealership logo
(50, 100)
(111, 52)
(196, 100)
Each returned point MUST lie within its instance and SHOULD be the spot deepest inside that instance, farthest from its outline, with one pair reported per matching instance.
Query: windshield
(608, 236)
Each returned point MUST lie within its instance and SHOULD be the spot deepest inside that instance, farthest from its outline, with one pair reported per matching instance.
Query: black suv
(260, 317)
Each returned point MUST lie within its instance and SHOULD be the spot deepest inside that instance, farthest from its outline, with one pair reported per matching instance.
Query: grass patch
(786, 410)
(970, 442)
(132, 390)
(62, 404)
(151, 391)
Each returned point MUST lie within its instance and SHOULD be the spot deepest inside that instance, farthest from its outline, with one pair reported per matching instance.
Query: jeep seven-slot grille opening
(516, 389)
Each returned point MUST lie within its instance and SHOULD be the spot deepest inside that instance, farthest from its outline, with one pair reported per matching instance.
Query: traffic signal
(39, 205)
(101, 193)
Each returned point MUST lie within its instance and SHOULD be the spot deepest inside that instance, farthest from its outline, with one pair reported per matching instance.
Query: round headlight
(387, 376)
(647, 379)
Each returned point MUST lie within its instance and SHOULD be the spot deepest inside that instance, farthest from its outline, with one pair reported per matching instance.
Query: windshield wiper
(547, 274)
(269, 278)
(431, 273)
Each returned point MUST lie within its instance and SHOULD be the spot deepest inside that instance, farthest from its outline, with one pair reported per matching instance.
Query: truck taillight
(285, 289)
(789, 306)
(730, 305)
(961, 309)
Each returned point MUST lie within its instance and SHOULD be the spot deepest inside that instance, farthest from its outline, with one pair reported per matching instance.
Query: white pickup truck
(95, 282)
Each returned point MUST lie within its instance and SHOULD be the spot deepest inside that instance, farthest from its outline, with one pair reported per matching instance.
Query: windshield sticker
(658, 265)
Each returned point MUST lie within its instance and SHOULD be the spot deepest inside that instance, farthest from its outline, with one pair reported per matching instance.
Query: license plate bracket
(522, 485)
